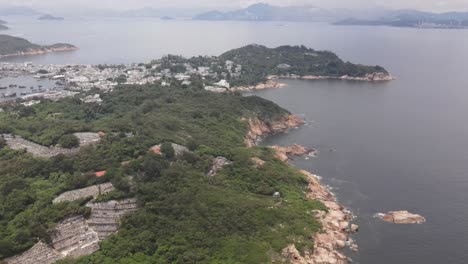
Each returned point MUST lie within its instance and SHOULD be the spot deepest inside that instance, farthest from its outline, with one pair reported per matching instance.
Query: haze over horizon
(118, 5)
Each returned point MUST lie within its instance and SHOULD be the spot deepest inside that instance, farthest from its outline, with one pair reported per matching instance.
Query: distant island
(415, 19)
(2, 25)
(258, 63)
(167, 18)
(266, 12)
(14, 46)
(50, 17)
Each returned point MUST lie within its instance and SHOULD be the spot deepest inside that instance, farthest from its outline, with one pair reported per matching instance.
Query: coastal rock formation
(258, 129)
(283, 153)
(292, 255)
(336, 226)
(270, 84)
(76, 236)
(218, 164)
(19, 143)
(92, 191)
(402, 217)
(370, 77)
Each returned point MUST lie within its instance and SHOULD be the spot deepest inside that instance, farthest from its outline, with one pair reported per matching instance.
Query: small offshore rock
(402, 217)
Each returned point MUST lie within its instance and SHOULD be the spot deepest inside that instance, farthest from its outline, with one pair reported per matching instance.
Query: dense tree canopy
(184, 216)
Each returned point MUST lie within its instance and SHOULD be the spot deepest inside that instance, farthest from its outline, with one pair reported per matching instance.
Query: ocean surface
(24, 85)
(401, 145)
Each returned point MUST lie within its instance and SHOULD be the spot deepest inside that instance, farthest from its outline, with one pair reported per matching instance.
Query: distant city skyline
(423, 5)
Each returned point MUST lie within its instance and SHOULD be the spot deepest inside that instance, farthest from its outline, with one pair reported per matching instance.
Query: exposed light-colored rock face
(292, 255)
(283, 153)
(76, 236)
(19, 143)
(336, 228)
(402, 217)
(93, 191)
(218, 164)
(257, 162)
(179, 150)
(105, 217)
(258, 129)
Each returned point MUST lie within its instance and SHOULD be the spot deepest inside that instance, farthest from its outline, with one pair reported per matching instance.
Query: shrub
(69, 141)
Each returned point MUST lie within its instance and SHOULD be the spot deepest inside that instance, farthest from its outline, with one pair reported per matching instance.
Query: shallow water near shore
(400, 145)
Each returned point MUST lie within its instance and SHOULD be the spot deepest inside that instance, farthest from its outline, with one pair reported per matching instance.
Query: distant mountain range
(413, 18)
(266, 12)
(160, 12)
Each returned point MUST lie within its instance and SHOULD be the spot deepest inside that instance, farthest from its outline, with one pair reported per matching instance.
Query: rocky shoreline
(336, 222)
(370, 77)
(284, 153)
(259, 129)
(40, 51)
(271, 83)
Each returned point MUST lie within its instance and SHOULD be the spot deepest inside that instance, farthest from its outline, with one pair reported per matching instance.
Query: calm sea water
(388, 146)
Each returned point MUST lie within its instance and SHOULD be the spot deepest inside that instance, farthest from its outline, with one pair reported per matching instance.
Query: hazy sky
(427, 5)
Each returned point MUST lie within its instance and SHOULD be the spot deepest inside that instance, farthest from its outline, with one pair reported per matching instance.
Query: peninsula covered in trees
(14, 46)
(150, 151)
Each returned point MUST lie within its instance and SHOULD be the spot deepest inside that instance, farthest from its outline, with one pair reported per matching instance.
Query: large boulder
(402, 217)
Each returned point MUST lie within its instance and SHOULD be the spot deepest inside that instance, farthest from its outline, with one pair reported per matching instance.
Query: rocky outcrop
(179, 150)
(402, 217)
(284, 153)
(91, 191)
(218, 164)
(336, 228)
(292, 255)
(258, 129)
(75, 237)
(257, 162)
(270, 84)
